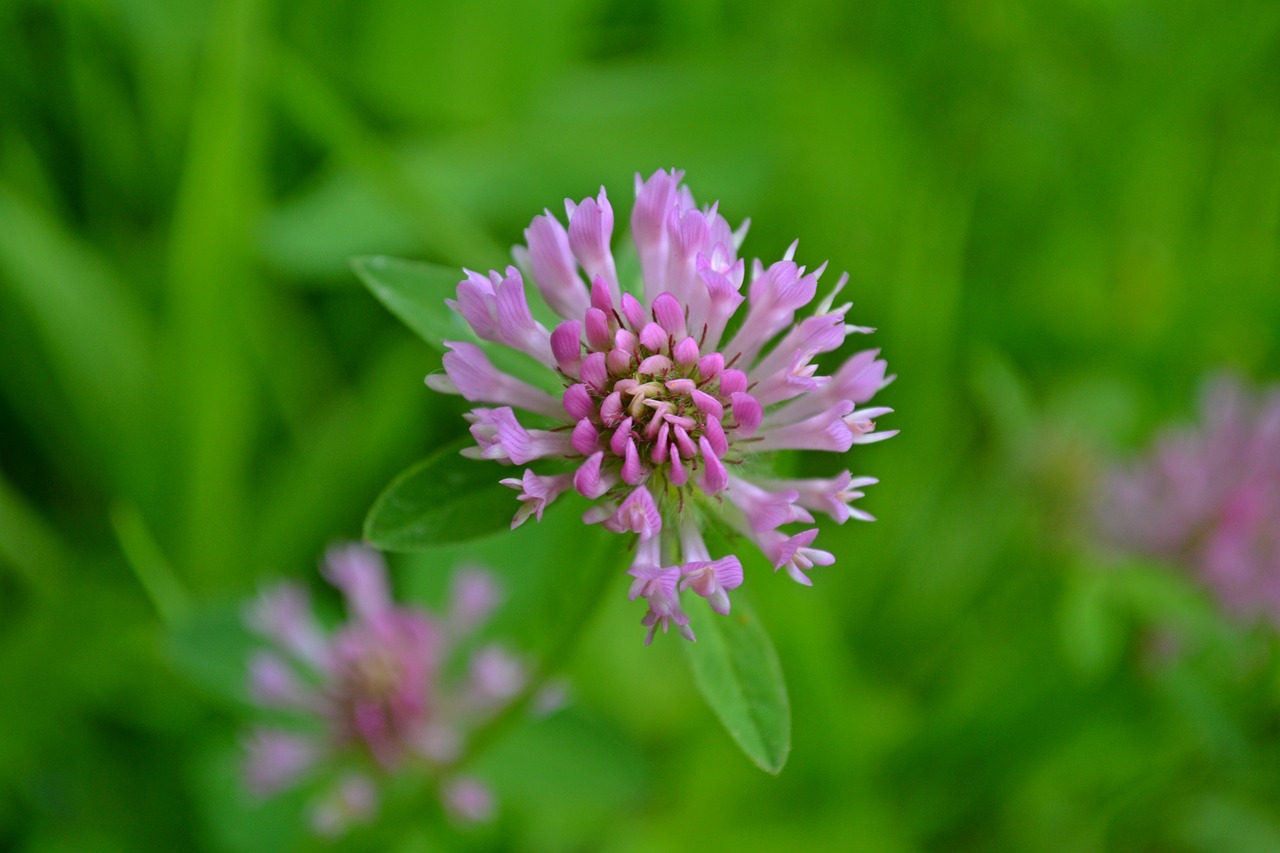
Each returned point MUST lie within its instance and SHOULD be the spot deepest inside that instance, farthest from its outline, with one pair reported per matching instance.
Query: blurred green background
(1059, 215)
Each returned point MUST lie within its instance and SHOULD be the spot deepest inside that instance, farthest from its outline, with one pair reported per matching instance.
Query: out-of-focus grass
(1059, 215)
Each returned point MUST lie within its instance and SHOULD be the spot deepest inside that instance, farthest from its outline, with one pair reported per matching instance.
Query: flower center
(375, 676)
(662, 405)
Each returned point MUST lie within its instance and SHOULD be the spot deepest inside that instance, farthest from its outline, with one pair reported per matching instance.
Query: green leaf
(737, 670)
(444, 498)
(553, 573)
(416, 292)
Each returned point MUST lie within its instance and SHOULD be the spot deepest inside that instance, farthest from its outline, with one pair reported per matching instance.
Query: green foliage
(1059, 217)
(416, 293)
(737, 670)
(445, 498)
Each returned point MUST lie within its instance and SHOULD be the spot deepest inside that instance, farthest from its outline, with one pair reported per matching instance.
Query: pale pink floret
(689, 230)
(473, 596)
(536, 493)
(747, 411)
(654, 199)
(674, 385)
(496, 309)
(552, 263)
(468, 800)
(566, 348)
(773, 298)
(766, 510)
(372, 690)
(470, 373)
(834, 496)
(657, 586)
(284, 615)
(496, 676)
(499, 436)
(857, 381)
(591, 480)
(277, 760)
(713, 580)
(362, 577)
(796, 378)
(274, 683)
(578, 403)
(794, 554)
(862, 425)
(590, 231)
(823, 431)
(638, 514)
(714, 475)
(812, 335)
(353, 800)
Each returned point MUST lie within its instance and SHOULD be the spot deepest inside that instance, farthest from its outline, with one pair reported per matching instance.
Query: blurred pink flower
(468, 800)
(1208, 499)
(369, 694)
(668, 391)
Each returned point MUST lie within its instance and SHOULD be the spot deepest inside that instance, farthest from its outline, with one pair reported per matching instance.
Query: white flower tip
(874, 437)
(441, 383)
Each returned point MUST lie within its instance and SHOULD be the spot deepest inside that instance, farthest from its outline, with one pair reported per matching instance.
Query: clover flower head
(1208, 500)
(670, 386)
(369, 697)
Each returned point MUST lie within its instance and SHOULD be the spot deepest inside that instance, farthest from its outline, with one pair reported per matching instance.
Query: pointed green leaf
(442, 499)
(737, 670)
(416, 292)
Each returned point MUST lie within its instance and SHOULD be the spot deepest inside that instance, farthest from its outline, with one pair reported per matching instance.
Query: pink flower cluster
(1208, 499)
(370, 694)
(669, 389)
